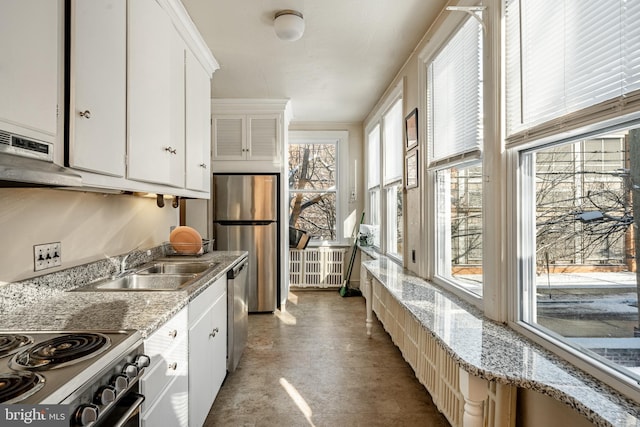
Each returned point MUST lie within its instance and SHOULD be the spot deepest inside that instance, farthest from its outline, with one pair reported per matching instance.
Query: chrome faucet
(121, 267)
(123, 264)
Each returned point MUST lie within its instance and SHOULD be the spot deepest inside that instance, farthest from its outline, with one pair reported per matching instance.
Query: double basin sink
(155, 276)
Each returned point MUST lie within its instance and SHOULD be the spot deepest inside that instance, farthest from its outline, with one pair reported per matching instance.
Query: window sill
(497, 352)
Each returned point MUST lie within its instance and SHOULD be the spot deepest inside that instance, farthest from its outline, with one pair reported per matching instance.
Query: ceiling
(349, 54)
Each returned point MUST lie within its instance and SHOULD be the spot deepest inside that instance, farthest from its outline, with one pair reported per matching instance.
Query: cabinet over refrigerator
(245, 217)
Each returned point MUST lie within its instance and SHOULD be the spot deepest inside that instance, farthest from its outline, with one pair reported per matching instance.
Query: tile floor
(315, 366)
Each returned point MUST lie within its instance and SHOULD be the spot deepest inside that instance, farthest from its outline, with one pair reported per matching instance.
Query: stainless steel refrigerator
(245, 217)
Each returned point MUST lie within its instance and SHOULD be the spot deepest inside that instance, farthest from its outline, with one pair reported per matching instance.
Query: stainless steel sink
(156, 276)
(176, 268)
(142, 282)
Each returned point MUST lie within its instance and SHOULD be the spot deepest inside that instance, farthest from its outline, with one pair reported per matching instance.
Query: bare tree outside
(312, 189)
(583, 207)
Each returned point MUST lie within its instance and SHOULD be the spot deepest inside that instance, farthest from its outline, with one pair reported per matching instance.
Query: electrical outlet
(47, 255)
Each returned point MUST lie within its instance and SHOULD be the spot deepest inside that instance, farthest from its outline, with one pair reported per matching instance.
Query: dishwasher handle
(234, 272)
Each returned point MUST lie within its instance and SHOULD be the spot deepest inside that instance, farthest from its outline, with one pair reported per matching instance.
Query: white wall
(90, 226)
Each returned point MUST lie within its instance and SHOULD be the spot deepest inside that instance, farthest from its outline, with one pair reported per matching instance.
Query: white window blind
(393, 152)
(373, 157)
(565, 56)
(455, 95)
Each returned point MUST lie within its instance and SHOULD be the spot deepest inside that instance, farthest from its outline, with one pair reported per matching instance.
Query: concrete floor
(315, 366)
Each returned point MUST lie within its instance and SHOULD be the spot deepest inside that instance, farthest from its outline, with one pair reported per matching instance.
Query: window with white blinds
(393, 148)
(373, 157)
(454, 96)
(566, 56)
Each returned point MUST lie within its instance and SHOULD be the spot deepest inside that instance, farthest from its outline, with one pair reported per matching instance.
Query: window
(571, 81)
(373, 181)
(454, 96)
(459, 226)
(579, 276)
(385, 196)
(393, 166)
(315, 199)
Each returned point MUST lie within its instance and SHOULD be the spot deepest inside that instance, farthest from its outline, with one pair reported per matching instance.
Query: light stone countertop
(49, 303)
(495, 352)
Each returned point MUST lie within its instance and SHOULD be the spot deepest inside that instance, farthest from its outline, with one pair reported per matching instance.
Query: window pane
(395, 238)
(374, 214)
(455, 94)
(313, 188)
(312, 166)
(373, 157)
(566, 56)
(393, 147)
(581, 284)
(459, 226)
(315, 213)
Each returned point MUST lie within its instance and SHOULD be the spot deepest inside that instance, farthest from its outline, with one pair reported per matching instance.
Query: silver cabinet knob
(214, 332)
(171, 150)
(173, 333)
(86, 114)
(202, 165)
(173, 366)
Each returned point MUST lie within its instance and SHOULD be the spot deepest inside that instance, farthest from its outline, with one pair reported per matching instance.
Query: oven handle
(134, 407)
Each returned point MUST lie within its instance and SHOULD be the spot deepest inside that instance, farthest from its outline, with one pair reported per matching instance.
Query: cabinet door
(229, 138)
(97, 118)
(219, 343)
(155, 96)
(29, 54)
(263, 137)
(207, 352)
(197, 125)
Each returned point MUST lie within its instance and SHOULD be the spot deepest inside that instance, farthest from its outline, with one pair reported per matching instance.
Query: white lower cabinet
(165, 384)
(207, 349)
(188, 362)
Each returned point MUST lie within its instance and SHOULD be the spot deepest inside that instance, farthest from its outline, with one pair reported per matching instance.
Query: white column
(475, 391)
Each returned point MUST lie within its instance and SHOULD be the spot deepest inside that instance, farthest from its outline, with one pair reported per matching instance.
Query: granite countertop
(49, 303)
(495, 352)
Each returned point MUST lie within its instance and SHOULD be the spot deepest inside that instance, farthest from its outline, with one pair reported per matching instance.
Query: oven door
(125, 413)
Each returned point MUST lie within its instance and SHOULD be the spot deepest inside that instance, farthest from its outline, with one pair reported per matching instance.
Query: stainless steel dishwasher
(237, 313)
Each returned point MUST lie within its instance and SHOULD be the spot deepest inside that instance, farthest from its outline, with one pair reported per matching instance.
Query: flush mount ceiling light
(289, 25)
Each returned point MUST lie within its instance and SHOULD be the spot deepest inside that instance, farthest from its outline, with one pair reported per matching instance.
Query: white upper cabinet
(249, 134)
(30, 56)
(97, 88)
(229, 137)
(156, 147)
(247, 137)
(197, 125)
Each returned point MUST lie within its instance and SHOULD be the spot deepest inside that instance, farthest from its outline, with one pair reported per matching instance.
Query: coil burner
(60, 351)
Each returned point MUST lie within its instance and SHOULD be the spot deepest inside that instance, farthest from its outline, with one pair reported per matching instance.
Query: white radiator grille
(317, 267)
(434, 367)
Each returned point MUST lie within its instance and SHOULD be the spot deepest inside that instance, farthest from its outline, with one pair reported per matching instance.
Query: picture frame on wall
(411, 170)
(411, 129)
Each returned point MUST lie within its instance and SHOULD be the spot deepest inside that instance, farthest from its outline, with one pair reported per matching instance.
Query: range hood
(27, 162)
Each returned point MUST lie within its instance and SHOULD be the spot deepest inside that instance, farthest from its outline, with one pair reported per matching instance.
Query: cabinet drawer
(166, 336)
(166, 367)
(206, 299)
